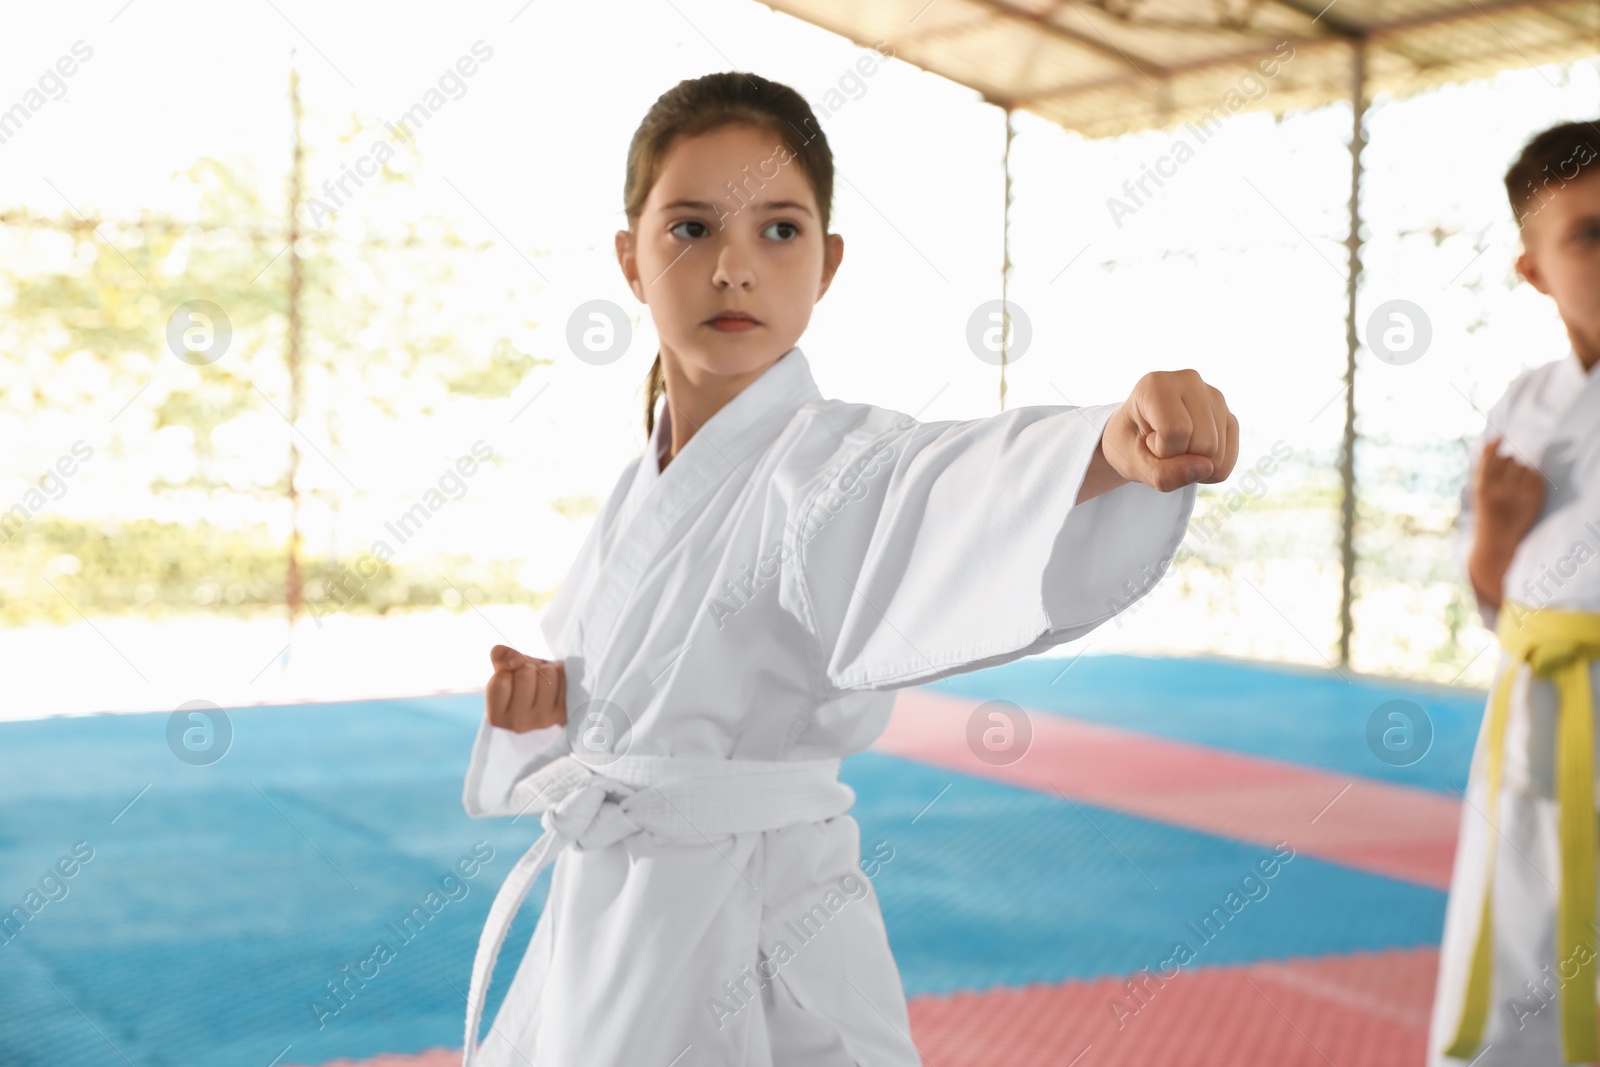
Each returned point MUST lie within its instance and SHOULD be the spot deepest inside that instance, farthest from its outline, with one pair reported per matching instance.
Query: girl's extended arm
(971, 543)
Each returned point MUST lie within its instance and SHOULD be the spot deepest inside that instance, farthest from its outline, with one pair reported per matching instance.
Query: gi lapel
(556, 621)
(729, 446)
(1566, 454)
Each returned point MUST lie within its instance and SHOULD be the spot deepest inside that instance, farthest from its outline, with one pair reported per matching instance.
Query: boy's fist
(1507, 494)
(525, 693)
(1173, 430)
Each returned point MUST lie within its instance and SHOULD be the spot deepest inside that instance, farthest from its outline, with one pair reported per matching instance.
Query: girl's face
(731, 225)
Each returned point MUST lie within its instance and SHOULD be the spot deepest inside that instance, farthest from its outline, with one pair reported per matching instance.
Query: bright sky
(1236, 268)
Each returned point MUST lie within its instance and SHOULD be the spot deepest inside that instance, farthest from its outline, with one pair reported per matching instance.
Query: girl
(755, 588)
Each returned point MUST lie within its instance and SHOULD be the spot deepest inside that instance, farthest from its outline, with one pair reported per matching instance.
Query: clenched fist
(525, 693)
(1172, 431)
(1507, 494)
(1507, 497)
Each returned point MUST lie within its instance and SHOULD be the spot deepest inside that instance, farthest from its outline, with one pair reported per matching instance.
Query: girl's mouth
(732, 322)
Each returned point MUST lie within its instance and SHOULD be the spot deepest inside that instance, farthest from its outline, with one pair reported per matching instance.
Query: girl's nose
(733, 269)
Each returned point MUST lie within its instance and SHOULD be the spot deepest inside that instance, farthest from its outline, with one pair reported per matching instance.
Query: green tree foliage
(395, 327)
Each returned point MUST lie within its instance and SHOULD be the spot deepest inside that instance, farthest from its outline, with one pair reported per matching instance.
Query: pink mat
(434, 1057)
(1393, 830)
(1366, 1008)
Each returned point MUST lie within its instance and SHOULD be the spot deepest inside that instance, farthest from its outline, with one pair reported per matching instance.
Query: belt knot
(1546, 638)
(579, 804)
(1549, 656)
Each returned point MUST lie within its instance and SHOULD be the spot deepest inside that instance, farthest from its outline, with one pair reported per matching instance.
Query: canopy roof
(1108, 67)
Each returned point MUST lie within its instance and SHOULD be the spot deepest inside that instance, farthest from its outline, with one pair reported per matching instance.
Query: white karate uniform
(1550, 419)
(760, 599)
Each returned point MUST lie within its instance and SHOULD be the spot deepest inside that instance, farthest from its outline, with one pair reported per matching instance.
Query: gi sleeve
(944, 547)
(502, 758)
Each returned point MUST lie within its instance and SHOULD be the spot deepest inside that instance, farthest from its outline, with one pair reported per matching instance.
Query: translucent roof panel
(1108, 67)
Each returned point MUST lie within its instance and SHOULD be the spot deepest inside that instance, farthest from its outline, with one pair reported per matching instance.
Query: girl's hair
(700, 105)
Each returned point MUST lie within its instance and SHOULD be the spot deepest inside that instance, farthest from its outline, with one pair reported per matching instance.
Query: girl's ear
(628, 260)
(832, 256)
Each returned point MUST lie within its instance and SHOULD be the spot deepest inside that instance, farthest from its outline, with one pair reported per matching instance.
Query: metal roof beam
(1144, 67)
(1376, 35)
(1483, 9)
(1317, 12)
(1182, 68)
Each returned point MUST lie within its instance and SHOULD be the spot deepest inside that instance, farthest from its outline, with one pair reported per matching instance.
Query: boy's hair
(700, 105)
(1555, 157)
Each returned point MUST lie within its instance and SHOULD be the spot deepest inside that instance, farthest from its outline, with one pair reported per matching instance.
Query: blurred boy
(1518, 963)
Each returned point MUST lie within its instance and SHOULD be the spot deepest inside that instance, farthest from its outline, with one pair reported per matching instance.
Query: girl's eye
(794, 230)
(673, 229)
(1589, 234)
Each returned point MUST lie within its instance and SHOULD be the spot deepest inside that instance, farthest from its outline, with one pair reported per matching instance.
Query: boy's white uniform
(760, 600)
(1549, 418)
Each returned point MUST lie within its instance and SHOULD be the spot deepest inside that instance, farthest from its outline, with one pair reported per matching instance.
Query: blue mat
(218, 906)
(221, 900)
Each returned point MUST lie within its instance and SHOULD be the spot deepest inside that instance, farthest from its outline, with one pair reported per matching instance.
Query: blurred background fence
(328, 374)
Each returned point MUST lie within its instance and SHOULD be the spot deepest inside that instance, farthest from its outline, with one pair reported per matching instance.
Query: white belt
(692, 799)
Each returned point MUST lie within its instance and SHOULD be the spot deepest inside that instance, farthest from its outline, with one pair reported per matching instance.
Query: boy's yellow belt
(1557, 645)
